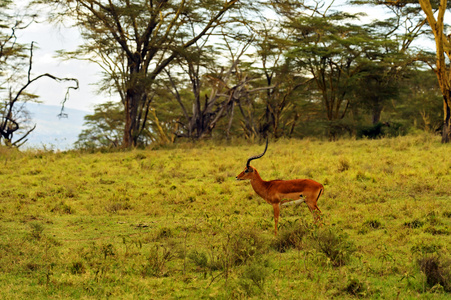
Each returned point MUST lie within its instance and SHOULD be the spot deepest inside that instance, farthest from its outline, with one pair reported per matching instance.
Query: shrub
(374, 224)
(237, 249)
(63, 208)
(199, 258)
(107, 250)
(157, 260)
(368, 225)
(245, 245)
(164, 233)
(437, 272)
(290, 237)
(356, 288)
(343, 165)
(77, 268)
(414, 224)
(254, 275)
(36, 230)
(257, 273)
(115, 207)
(437, 231)
(334, 246)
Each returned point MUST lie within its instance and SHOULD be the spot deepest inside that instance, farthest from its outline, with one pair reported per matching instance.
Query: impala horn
(256, 156)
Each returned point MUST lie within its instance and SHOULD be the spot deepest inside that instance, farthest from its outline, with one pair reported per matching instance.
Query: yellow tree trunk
(443, 47)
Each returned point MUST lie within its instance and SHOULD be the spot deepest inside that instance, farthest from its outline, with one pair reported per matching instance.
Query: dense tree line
(196, 69)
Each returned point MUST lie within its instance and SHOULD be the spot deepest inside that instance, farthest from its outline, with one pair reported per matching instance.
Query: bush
(206, 262)
(254, 275)
(356, 288)
(374, 224)
(77, 268)
(199, 258)
(237, 249)
(156, 261)
(369, 225)
(335, 246)
(36, 230)
(290, 237)
(437, 272)
(414, 224)
(164, 233)
(245, 245)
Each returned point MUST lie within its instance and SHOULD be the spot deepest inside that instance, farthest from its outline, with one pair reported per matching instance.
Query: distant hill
(51, 131)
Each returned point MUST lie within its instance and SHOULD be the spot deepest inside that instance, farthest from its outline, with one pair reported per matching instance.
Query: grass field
(175, 224)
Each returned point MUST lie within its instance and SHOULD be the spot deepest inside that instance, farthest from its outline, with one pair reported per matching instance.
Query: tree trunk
(131, 111)
(134, 94)
(446, 131)
(377, 110)
(443, 46)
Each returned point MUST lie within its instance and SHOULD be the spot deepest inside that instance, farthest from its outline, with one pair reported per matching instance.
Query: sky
(48, 39)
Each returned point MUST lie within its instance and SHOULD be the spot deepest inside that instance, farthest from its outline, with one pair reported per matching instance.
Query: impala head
(249, 171)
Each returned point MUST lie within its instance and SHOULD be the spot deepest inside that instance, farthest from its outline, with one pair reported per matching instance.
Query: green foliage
(291, 236)
(199, 258)
(256, 274)
(357, 288)
(77, 268)
(414, 224)
(104, 128)
(437, 271)
(245, 245)
(36, 230)
(157, 261)
(374, 224)
(336, 246)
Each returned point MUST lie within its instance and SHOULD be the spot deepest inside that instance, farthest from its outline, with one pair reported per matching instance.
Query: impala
(283, 192)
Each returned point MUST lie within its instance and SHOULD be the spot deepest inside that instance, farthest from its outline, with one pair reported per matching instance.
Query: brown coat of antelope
(283, 192)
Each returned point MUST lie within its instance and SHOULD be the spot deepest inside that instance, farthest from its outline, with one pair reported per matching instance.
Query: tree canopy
(223, 68)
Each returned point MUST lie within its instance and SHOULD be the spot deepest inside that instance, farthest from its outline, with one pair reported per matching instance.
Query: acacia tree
(329, 50)
(104, 127)
(341, 53)
(280, 98)
(223, 89)
(407, 13)
(383, 64)
(443, 54)
(134, 41)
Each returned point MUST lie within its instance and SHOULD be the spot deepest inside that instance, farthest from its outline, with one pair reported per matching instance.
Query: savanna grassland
(174, 223)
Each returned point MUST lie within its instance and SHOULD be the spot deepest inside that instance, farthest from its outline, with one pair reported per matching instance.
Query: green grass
(174, 223)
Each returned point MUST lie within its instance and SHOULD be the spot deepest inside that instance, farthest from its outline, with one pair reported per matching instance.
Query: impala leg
(276, 208)
(314, 209)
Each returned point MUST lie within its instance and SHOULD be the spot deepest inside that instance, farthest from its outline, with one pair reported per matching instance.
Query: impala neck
(258, 184)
